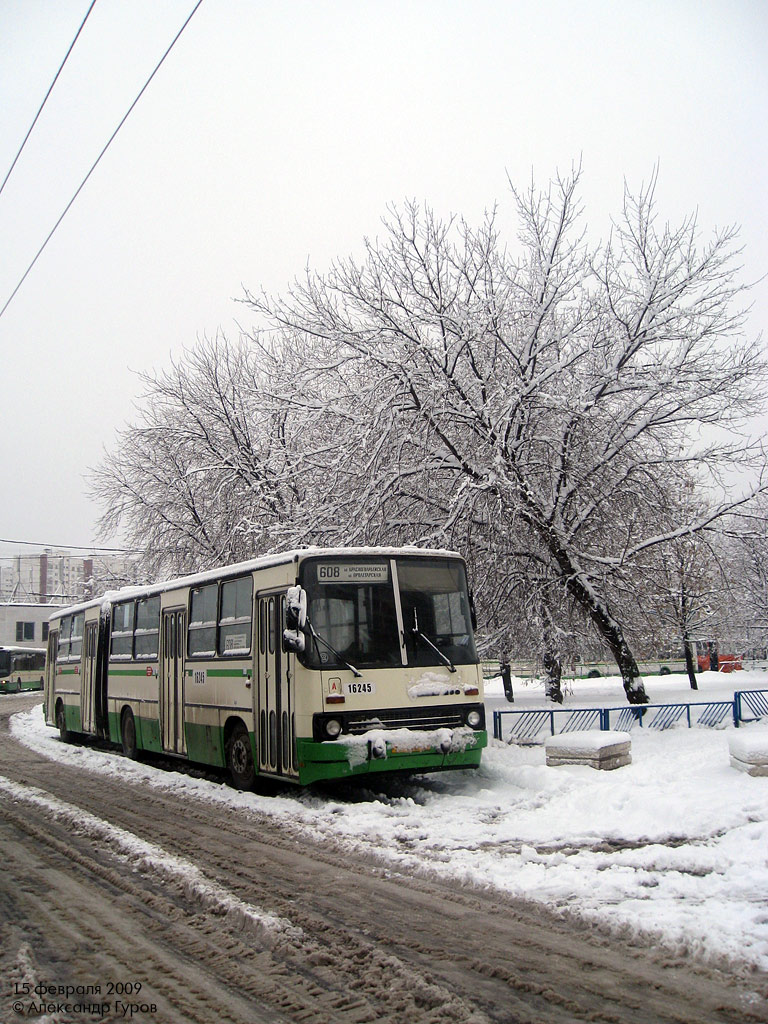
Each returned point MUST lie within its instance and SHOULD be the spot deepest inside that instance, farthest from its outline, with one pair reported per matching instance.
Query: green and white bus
(21, 668)
(315, 664)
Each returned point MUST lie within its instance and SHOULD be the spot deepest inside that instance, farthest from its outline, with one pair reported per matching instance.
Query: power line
(98, 159)
(50, 90)
(68, 547)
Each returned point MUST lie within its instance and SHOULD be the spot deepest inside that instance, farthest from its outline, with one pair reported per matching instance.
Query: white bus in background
(315, 664)
(21, 668)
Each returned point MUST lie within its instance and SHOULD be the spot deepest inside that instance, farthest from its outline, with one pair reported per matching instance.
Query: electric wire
(50, 90)
(55, 600)
(98, 159)
(33, 599)
(68, 547)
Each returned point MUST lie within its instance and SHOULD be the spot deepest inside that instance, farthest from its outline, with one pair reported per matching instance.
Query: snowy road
(220, 909)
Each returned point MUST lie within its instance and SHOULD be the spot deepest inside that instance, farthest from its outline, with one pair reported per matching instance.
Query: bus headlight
(473, 719)
(332, 728)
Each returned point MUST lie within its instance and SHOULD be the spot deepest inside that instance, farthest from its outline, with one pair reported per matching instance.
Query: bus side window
(235, 617)
(147, 628)
(122, 630)
(76, 649)
(202, 621)
(64, 638)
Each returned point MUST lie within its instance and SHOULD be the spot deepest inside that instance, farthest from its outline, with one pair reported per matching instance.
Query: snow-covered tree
(745, 553)
(555, 385)
(206, 475)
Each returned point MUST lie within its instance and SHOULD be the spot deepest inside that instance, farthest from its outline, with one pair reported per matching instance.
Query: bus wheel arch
(128, 734)
(239, 754)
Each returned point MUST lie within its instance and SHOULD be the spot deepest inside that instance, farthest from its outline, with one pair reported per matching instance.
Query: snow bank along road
(165, 910)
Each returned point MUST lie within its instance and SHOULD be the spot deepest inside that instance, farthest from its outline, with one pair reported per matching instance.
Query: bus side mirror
(293, 641)
(296, 609)
(295, 620)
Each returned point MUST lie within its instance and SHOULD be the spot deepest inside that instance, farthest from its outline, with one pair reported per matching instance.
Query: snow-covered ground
(674, 845)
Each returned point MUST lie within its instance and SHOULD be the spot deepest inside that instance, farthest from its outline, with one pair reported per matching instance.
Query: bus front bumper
(389, 751)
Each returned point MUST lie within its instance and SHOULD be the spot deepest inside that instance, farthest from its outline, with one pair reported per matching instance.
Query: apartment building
(61, 577)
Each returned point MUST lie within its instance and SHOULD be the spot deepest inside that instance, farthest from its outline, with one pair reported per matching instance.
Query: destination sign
(352, 572)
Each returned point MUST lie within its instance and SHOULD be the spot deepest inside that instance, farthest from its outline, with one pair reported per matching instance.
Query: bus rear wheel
(128, 735)
(61, 724)
(240, 758)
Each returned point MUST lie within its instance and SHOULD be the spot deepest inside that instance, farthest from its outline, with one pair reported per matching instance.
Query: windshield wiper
(316, 637)
(417, 632)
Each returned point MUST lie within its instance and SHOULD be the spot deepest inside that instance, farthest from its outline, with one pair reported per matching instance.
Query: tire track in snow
(151, 859)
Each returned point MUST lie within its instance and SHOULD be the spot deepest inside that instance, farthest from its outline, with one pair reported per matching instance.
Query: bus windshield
(5, 663)
(353, 607)
(435, 605)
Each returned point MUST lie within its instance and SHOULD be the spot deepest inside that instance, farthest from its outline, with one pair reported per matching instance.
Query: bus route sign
(352, 572)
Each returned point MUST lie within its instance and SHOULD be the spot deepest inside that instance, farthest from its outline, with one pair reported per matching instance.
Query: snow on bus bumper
(386, 750)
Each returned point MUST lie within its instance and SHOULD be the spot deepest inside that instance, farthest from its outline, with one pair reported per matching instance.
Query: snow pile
(749, 750)
(433, 684)
(673, 845)
(750, 744)
(403, 741)
(591, 741)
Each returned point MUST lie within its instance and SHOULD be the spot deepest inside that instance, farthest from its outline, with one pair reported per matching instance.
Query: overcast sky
(276, 133)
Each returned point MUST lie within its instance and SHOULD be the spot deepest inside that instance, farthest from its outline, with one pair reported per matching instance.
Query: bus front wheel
(240, 758)
(128, 735)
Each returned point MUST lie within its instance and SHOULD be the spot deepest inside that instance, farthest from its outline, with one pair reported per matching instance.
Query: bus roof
(264, 562)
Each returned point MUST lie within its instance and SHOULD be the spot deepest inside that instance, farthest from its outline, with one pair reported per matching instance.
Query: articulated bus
(21, 668)
(316, 664)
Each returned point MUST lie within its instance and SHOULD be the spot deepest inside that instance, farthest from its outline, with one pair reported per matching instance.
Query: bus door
(275, 731)
(49, 697)
(88, 677)
(173, 634)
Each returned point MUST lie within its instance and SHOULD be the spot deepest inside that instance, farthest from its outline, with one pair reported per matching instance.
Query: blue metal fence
(666, 716)
(746, 706)
(750, 705)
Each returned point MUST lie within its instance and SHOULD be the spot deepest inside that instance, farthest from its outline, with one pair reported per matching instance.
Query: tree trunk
(506, 678)
(610, 630)
(630, 673)
(690, 663)
(687, 642)
(714, 656)
(553, 671)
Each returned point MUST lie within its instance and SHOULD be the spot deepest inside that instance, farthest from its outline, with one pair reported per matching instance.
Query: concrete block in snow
(604, 750)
